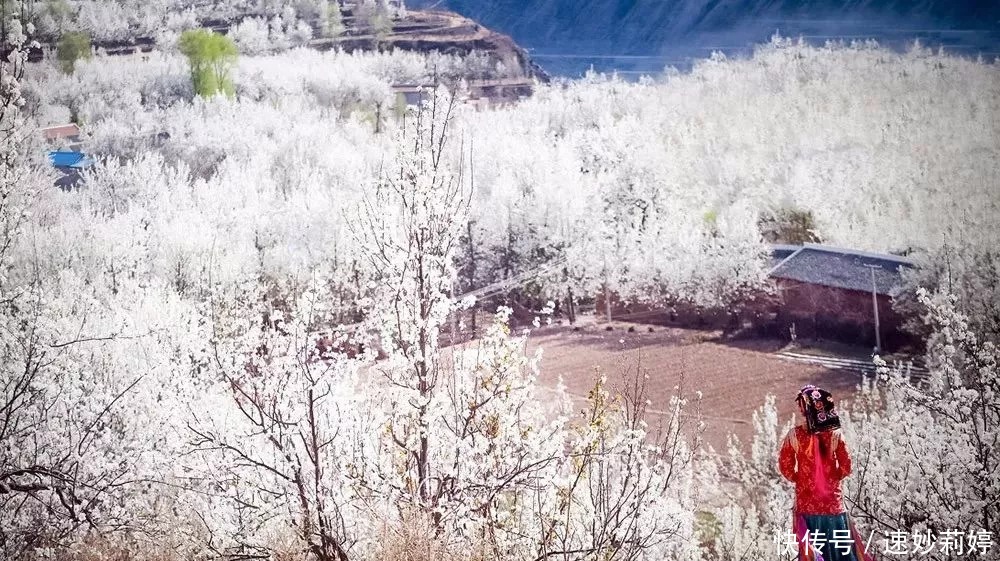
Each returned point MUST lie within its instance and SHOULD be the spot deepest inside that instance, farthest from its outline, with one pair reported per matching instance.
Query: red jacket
(816, 463)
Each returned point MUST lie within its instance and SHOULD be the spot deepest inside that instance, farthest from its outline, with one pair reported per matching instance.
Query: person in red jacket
(815, 457)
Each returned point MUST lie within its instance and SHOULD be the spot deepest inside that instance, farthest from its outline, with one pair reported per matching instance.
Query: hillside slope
(416, 30)
(444, 31)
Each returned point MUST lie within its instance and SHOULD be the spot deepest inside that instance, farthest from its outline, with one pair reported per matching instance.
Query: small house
(412, 95)
(834, 293)
(56, 133)
(62, 137)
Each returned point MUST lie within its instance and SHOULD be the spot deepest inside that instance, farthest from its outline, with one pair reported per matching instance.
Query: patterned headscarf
(819, 408)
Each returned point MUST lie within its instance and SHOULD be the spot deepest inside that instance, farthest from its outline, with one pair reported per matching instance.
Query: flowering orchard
(228, 341)
(215, 426)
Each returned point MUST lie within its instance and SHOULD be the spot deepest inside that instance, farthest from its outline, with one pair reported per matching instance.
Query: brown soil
(734, 378)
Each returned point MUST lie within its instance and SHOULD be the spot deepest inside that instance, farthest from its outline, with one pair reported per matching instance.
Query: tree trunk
(607, 302)
(570, 309)
(471, 277)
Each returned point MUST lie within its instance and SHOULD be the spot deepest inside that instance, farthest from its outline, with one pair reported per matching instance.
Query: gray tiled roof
(843, 268)
(780, 252)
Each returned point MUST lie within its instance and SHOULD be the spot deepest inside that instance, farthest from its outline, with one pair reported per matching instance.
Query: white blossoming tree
(461, 437)
(927, 461)
(83, 376)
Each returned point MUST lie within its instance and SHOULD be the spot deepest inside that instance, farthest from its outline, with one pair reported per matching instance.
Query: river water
(572, 60)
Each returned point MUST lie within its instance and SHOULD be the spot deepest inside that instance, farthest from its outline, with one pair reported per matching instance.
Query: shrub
(789, 225)
(73, 47)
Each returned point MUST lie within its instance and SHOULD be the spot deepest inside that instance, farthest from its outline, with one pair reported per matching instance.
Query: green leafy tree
(334, 24)
(212, 57)
(60, 14)
(73, 47)
(381, 27)
(789, 225)
(374, 14)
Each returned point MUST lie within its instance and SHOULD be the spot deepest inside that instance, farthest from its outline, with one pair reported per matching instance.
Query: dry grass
(113, 549)
(413, 540)
(410, 540)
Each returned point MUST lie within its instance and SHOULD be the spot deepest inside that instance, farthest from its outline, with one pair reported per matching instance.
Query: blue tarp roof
(67, 159)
